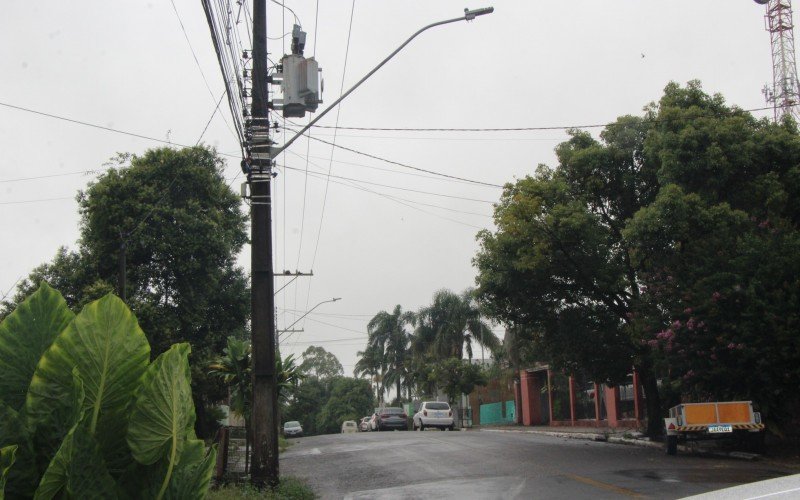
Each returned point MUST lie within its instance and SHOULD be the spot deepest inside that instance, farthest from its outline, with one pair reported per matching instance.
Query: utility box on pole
(299, 80)
(299, 85)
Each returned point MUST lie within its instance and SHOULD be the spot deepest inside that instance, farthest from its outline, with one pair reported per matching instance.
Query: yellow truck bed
(696, 417)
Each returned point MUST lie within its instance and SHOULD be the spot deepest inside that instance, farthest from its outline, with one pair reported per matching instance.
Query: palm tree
(370, 363)
(387, 334)
(451, 324)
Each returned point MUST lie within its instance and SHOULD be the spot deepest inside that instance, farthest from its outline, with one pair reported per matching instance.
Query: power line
(196, 61)
(401, 201)
(213, 113)
(19, 179)
(496, 129)
(404, 165)
(431, 193)
(34, 201)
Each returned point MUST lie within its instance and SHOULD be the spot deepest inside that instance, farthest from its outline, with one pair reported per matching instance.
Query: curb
(593, 437)
(631, 442)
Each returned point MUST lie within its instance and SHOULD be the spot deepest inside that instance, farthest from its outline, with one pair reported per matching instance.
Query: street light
(307, 313)
(469, 15)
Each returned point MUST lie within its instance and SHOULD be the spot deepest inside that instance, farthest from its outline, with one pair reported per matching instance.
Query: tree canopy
(669, 244)
(182, 227)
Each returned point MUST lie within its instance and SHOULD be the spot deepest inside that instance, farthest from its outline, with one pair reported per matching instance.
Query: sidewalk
(620, 436)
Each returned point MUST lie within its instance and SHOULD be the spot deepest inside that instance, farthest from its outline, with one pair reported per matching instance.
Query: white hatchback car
(349, 427)
(434, 414)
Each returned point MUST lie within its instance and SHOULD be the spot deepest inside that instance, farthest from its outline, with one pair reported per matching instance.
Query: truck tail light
(424, 413)
(450, 413)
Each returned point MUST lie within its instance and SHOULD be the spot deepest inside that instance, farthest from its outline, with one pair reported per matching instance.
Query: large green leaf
(163, 415)
(78, 469)
(21, 480)
(7, 456)
(111, 353)
(24, 336)
(163, 412)
(192, 476)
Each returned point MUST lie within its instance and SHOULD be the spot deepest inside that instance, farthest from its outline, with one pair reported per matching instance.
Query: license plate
(720, 428)
(439, 414)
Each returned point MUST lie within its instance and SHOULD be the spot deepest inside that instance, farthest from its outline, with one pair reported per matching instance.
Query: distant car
(373, 420)
(363, 425)
(292, 429)
(349, 427)
(434, 414)
(391, 418)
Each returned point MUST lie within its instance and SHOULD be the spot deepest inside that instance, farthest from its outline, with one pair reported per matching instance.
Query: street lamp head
(469, 15)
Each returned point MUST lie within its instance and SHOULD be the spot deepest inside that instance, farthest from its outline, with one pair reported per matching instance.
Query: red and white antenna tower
(785, 93)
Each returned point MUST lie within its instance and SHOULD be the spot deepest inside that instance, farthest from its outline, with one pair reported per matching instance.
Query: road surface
(489, 465)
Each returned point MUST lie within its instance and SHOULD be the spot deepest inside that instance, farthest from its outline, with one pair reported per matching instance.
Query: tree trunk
(399, 391)
(655, 422)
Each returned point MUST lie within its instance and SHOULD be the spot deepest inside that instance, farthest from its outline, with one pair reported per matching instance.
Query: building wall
(548, 398)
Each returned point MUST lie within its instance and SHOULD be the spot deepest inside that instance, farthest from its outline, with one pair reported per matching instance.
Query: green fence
(498, 413)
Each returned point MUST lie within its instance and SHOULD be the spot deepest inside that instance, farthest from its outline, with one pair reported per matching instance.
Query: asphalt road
(488, 465)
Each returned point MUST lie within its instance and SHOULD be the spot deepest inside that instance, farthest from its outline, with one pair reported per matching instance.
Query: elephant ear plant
(83, 412)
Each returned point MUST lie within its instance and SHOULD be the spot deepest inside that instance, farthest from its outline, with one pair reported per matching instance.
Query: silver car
(292, 429)
(434, 414)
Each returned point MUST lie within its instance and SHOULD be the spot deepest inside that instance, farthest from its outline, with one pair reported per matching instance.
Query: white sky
(127, 65)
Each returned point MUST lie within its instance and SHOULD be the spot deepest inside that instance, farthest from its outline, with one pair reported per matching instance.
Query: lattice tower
(785, 93)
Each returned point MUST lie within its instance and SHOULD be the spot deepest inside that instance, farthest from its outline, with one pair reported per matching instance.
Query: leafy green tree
(598, 257)
(317, 362)
(387, 335)
(450, 324)
(306, 404)
(718, 249)
(182, 228)
(458, 376)
(350, 399)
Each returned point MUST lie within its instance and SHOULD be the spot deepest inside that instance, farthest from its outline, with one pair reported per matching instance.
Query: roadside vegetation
(670, 244)
(289, 489)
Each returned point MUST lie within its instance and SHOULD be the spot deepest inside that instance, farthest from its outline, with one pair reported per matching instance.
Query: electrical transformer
(299, 85)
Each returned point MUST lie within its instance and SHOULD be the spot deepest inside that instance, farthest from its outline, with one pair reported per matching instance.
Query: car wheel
(421, 426)
(451, 428)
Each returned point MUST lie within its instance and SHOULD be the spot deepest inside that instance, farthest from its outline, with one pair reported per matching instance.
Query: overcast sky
(128, 66)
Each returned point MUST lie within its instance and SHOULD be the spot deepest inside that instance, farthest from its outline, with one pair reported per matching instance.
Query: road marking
(774, 494)
(604, 486)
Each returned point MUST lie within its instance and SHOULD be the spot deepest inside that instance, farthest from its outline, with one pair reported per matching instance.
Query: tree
(451, 323)
(458, 376)
(596, 258)
(387, 335)
(350, 399)
(317, 362)
(370, 363)
(182, 227)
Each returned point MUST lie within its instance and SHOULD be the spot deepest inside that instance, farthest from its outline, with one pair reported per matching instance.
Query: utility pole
(264, 465)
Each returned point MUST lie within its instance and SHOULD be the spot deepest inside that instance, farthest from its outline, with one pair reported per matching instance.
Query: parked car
(373, 420)
(434, 414)
(292, 429)
(349, 427)
(363, 425)
(390, 418)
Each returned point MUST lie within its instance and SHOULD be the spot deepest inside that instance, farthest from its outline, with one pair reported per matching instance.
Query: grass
(289, 489)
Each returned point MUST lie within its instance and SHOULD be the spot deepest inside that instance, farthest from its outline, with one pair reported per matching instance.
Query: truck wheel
(671, 445)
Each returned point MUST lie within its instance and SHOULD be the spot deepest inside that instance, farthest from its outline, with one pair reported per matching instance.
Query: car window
(437, 406)
(293, 423)
(392, 411)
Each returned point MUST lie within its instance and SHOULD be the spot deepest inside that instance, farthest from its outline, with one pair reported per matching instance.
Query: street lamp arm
(309, 311)
(468, 16)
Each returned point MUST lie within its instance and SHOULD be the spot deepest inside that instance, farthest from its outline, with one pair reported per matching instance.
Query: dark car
(391, 418)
